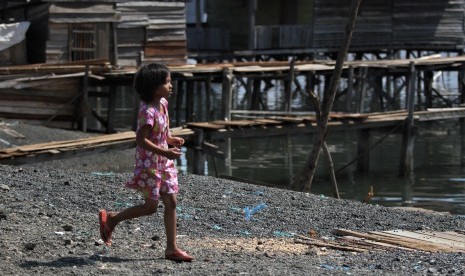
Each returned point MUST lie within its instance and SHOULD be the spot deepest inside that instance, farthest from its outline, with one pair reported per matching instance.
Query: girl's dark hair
(148, 78)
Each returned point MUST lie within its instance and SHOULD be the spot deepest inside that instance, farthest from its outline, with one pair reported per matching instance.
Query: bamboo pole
(306, 177)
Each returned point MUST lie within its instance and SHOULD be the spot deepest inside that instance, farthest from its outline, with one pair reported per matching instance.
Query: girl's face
(165, 90)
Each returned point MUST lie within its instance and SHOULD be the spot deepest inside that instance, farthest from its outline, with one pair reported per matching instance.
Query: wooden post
(111, 109)
(461, 83)
(461, 80)
(288, 86)
(406, 163)
(350, 89)
(190, 91)
(199, 156)
(428, 87)
(462, 141)
(227, 86)
(179, 97)
(256, 93)
(85, 100)
(362, 90)
(208, 99)
(379, 88)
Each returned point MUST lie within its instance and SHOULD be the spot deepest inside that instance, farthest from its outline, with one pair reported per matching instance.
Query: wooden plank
(204, 125)
(268, 121)
(237, 122)
(449, 235)
(387, 239)
(68, 143)
(428, 238)
(330, 245)
(417, 243)
(375, 243)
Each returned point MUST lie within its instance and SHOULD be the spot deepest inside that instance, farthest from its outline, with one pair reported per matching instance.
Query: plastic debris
(216, 227)
(103, 173)
(283, 234)
(122, 204)
(250, 212)
(245, 233)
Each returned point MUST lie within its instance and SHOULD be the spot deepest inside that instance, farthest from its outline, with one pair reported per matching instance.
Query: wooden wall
(39, 98)
(393, 24)
(129, 33)
(151, 32)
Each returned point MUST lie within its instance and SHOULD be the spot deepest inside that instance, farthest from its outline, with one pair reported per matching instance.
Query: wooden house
(124, 32)
(311, 26)
(67, 39)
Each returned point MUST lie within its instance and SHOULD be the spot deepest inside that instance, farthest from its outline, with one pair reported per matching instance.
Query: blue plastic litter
(103, 173)
(216, 227)
(250, 212)
(283, 234)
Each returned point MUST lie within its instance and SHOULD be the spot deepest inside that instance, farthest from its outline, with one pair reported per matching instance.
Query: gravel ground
(49, 225)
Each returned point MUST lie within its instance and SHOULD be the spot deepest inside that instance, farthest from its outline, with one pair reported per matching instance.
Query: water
(438, 182)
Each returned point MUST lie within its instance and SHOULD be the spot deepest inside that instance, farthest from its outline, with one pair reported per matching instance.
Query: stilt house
(289, 27)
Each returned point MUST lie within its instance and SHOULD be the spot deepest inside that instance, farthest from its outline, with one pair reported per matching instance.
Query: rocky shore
(49, 225)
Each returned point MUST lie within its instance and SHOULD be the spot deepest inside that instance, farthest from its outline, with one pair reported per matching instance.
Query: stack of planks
(430, 241)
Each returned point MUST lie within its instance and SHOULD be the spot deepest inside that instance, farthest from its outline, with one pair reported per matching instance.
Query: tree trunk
(306, 178)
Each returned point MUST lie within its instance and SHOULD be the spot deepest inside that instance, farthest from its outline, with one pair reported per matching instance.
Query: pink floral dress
(154, 174)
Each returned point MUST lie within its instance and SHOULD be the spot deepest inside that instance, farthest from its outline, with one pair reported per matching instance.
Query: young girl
(155, 173)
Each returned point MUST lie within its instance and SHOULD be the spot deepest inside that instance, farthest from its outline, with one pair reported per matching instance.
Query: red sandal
(105, 232)
(179, 256)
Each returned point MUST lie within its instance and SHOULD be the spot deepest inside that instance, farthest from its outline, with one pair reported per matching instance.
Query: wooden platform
(288, 124)
(71, 148)
(430, 241)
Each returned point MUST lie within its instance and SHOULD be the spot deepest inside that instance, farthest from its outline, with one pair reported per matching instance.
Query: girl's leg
(169, 200)
(148, 208)
(172, 252)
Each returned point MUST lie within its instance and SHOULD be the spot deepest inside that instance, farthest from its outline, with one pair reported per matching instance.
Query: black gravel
(49, 226)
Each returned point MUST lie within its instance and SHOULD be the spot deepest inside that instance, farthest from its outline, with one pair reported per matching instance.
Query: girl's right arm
(143, 141)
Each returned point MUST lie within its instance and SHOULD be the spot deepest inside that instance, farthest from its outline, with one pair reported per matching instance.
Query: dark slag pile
(49, 225)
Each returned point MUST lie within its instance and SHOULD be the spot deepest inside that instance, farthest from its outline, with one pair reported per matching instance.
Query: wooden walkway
(281, 125)
(429, 241)
(256, 127)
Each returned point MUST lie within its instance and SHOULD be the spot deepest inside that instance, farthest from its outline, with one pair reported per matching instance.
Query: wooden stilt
(428, 87)
(228, 79)
(461, 80)
(256, 94)
(190, 94)
(111, 109)
(85, 100)
(179, 99)
(288, 86)
(350, 89)
(199, 156)
(362, 90)
(406, 163)
(462, 141)
(208, 100)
